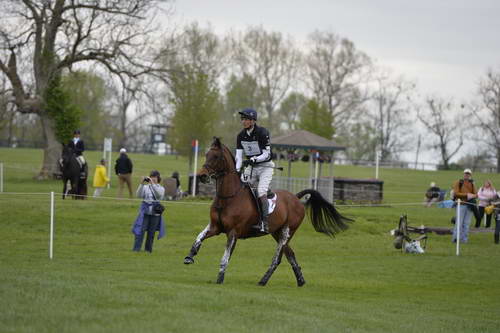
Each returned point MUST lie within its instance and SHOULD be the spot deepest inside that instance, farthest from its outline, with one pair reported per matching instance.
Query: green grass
(355, 283)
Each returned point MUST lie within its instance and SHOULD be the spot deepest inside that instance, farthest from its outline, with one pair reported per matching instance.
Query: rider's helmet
(76, 132)
(249, 113)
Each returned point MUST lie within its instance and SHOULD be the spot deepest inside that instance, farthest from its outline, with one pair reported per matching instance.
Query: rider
(78, 147)
(254, 142)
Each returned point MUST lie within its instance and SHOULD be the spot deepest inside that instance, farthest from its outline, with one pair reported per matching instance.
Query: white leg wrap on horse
(227, 255)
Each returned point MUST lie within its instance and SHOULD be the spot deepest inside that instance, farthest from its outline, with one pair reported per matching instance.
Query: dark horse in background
(70, 169)
(234, 212)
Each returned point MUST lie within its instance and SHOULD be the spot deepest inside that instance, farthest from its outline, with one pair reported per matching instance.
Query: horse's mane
(230, 153)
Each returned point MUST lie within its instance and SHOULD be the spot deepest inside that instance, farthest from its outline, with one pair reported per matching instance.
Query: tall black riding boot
(264, 206)
(497, 238)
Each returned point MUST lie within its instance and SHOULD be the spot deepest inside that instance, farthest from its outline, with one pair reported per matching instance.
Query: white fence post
(458, 226)
(107, 147)
(51, 241)
(193, 191)
(316, 171)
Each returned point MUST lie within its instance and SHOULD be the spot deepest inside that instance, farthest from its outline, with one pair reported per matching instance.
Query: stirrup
(260, 227)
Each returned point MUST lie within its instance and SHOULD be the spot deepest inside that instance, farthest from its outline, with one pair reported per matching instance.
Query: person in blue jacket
(149, 220)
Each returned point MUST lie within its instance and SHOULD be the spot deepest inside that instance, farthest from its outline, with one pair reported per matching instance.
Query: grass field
(357, 282)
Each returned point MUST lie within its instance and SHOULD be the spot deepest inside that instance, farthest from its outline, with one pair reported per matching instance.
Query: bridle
(219, 173)
(212, 171)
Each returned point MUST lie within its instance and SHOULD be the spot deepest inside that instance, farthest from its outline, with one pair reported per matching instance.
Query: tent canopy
(304, 140)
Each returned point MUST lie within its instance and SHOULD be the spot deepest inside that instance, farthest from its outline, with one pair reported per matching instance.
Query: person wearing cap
(254, 160)
(486, 195)
(78, 147)
(100, 178)
(148, 221)
(123, 169)
(432, 194)
(465, 190)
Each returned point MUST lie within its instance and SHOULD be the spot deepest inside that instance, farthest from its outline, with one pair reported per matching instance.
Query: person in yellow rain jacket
(100, 178)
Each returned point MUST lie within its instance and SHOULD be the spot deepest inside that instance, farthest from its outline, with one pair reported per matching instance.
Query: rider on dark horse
(78, 147)
(254, 160)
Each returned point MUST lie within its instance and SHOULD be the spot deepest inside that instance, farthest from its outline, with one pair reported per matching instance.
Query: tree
(487, 112)
(439, 122)
(360, 138)
(390, 103)
(336, 72)
(289, 111)
(196, 103)
(61, 109)
(272, 61)
(240, 93)
(194, 66)
(477, 160)
(89, 93)
(57, 35)
(316, 119)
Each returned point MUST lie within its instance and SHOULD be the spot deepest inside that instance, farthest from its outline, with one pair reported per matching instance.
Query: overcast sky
(444, 45)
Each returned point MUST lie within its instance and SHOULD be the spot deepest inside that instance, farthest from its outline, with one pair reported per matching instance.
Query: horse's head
(218, 162)
(67, 153)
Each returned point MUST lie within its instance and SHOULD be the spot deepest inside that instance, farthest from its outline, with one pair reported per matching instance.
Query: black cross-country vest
(255, 143)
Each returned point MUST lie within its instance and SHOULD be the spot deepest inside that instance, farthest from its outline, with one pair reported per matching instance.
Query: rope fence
(51, 195)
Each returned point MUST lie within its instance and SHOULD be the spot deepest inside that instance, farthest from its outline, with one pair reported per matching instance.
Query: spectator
(123, 169)
(100, 178)
(432, 195)
(486, 194)
(464, 190)
(178, 191)
(148, 219)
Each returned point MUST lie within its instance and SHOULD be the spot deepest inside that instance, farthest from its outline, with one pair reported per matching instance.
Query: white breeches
(81, 160)
(259, 176)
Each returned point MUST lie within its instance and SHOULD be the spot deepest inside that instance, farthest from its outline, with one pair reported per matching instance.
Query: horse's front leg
(64, 189)
(231, 242)
(206, 233)
(282, 241)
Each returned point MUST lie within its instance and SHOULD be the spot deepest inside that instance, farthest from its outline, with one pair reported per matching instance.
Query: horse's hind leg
(206, 233)
(231, 242)
(283, 238)
(290, 256)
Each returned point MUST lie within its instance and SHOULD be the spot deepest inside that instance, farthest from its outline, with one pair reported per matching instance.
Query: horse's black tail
(323, 214)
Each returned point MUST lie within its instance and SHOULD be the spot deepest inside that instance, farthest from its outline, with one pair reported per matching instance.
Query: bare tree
(58, 34)
(134, 101)
(390, 110)
(447, 129)
(487, 113)
(336, 73)
(272, 60)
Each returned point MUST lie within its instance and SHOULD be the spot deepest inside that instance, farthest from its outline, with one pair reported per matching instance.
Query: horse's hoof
(220, 280)
(262, 283)
(188, 260)
(301, 283)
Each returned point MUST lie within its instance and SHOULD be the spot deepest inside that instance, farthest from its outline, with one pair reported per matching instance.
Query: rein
(225, 197)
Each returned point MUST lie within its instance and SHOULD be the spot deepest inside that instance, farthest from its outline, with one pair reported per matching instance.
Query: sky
(445, 46)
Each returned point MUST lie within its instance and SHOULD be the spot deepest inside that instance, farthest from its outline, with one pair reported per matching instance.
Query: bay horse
(234, 212)
(70, 169)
